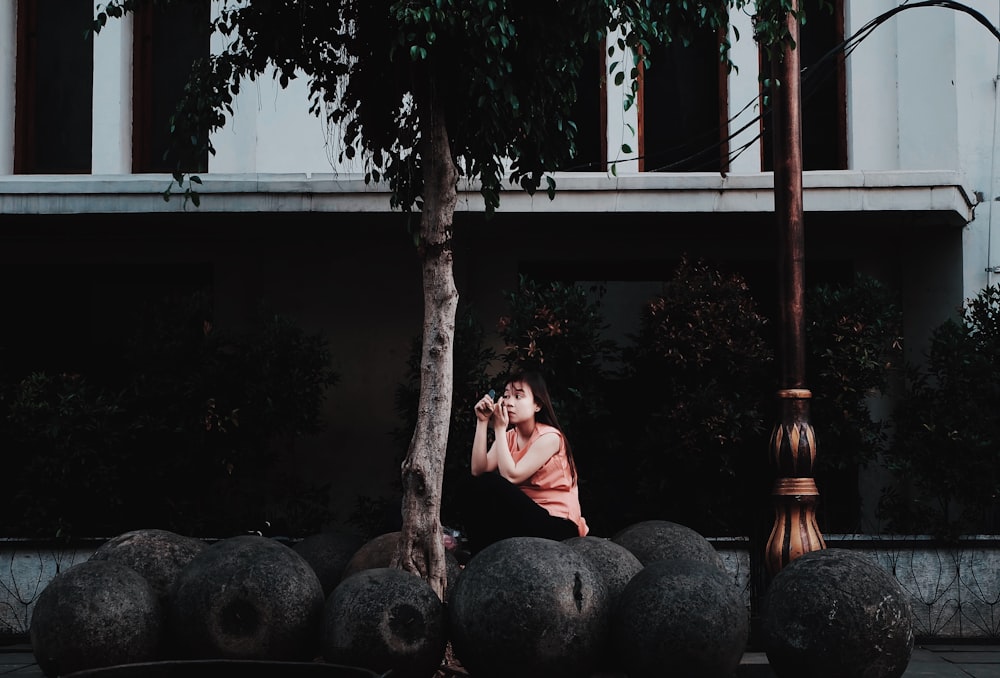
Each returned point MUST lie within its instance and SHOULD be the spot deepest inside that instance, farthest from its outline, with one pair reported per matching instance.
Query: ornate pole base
(795, 531)
(793, 452)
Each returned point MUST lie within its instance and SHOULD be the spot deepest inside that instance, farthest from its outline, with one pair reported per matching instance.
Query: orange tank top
(552, 486)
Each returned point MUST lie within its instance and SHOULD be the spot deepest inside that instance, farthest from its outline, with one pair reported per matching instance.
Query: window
(590, 115)
(169, 38)
(682, 119)
(54, 87)
(823, 89)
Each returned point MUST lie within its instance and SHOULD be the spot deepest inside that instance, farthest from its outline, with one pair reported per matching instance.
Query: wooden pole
(792, 448)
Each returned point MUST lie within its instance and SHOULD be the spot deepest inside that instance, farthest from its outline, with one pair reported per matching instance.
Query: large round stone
(328, 553)
(529, 607)
(615, 563)
(385, 619)
(247, 597)
(95, 614)
(377, 552)
(680, 617)
(833, 613)
(158, 555)
(653, 540)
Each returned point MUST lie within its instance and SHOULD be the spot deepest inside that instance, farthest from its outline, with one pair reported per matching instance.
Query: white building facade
(909, 196)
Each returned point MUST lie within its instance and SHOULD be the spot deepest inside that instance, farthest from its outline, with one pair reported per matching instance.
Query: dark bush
(699, 376)
(183, 433)
(854, 355)
(946, 448)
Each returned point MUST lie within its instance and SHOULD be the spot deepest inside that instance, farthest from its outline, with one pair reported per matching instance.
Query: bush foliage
(187, 430)
(700, 373)
(946, 451)
(184, 433)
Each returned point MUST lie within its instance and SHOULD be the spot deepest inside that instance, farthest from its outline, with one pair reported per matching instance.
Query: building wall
(355, 276)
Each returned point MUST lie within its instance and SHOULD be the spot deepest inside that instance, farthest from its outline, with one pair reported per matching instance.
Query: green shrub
(699, 373)
(854, 352)
(946, 447)
(65, 454)
(186, 432)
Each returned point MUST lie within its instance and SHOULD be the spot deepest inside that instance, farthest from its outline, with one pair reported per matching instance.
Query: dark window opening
(54, 88)
(823, 90)
(682, 104)
(590, 115)
(168, 40)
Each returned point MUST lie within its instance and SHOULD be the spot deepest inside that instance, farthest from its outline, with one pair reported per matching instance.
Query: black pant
(496, 509)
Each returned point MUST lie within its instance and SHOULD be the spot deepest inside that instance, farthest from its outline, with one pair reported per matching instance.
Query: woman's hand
(484, 408)
(500, 419)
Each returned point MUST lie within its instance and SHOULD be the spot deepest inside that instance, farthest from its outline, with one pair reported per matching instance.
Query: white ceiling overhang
(937, 197)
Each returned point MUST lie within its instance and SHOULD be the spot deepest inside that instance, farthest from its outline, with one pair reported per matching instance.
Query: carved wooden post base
(793, 452)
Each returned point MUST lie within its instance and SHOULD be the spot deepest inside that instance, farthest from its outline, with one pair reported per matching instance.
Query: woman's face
(520, 402)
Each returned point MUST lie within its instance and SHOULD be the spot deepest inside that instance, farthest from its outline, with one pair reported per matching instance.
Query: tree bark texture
(421, 549)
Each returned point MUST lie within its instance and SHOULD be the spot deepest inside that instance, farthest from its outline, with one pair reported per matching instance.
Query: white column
(8, 40)
(236, 143)
(623, 126)
(928, 97)
(744, 97)
(112, 126)
(977, 85)
(271, 129)
(872, 103)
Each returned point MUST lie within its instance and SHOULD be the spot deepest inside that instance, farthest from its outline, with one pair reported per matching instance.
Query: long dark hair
(546, 414)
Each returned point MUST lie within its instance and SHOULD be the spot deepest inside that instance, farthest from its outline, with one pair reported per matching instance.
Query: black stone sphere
(653, 540)
(328, 553)
(95, 614)
(378, 552)
(529, 607)
(385, 619)
(834, 613)
(246, 597)
(158, 555)
(680, 617)
(615, 563)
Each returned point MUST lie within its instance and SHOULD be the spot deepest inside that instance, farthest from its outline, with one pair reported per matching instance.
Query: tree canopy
(506, 72)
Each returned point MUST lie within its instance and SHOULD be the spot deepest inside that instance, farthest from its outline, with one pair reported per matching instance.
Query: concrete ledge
(932, 196)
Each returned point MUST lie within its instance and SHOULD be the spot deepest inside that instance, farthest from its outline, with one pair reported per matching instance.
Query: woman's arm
(483, 459)
(544, 447)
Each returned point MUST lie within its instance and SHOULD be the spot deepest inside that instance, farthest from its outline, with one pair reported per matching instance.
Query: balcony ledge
(936, 195)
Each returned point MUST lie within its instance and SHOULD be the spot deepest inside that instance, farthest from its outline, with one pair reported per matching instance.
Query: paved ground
(927, 661)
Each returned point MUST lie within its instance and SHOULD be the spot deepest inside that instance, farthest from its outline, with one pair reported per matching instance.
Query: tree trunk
(421, 549)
